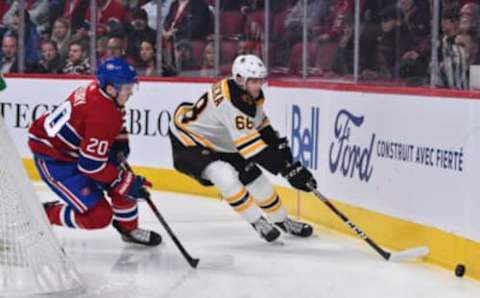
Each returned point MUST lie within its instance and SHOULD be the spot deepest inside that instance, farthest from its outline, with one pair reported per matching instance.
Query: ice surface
(328, 265)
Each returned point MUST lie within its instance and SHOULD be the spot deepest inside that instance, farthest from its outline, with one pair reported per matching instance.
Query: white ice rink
(329, 265)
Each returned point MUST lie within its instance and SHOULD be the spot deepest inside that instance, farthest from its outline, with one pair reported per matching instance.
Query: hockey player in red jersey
(76, 150)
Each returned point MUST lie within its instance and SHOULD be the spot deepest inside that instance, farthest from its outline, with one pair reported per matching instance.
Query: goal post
(31, 259)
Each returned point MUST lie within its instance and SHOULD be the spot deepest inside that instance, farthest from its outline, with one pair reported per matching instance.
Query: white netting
(31, 259)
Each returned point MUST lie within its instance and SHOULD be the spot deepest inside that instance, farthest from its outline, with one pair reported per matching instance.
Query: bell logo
(305, 135)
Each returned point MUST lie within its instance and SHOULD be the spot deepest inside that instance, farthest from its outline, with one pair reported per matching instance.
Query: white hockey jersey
(224, 119)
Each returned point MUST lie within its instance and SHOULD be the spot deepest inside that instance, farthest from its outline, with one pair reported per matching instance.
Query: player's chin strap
(243, 87)
(407, 254)
(113, 98)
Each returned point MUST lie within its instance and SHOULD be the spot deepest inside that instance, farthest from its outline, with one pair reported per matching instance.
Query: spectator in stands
(417, 20)
(51, 61)
(107, 10)
(316, 12)
(151, 9)
(275, 6)
(4, 6)
(115, 47)
(335, 24)
(187, 19)
(470, 42)
(73, 11)
(114, 28)
(372, 12)
(245, 6)
(389, 47)
(184, 56)
(37, 9)
(455, 67)
(470, 17)
(450, 5)
(450, 29)
(133, 4)
(77, 62)
(235, 5)
(137, 32)
(9, 63)
(61, 36)
(31, 40)
(401, 51)
(293, 27)
(371, 23)
(452, 58)
(245, 46)
(101, 47)
(343, 60)
(450, 26)
(208, 61)
(146, 64)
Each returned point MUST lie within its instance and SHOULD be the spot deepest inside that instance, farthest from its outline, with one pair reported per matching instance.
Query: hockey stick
(193, 262)
(408, 254)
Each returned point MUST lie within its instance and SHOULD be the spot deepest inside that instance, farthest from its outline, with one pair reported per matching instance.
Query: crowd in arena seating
(394, 40)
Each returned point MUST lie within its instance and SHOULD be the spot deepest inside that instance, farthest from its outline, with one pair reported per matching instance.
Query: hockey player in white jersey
(225, 136)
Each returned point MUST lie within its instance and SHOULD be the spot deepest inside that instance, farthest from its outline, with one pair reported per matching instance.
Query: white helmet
(248, 67)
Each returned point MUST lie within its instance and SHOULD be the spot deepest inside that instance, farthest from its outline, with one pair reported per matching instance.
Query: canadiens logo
(85, 191)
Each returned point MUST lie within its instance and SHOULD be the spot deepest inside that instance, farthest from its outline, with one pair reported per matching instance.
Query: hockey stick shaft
(385, 254)
(193, 262)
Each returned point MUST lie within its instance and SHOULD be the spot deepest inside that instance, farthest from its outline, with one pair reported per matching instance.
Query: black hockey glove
(284, 150)
(120, 150)
(279, 145)
(299, 177)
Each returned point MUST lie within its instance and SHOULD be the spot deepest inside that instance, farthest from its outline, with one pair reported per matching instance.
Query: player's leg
(205, 167)
(267, 198)
(226, 178)
(97, 217)
(83, 204)
(125, 221)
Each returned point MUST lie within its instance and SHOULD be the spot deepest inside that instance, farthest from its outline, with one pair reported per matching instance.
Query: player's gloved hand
(279, 145)
(284, 150)
(119, 151)
(130, 185)
(299, 177)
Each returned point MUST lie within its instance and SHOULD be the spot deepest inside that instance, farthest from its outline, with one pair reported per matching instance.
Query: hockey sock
(225, 178)
(267, 199)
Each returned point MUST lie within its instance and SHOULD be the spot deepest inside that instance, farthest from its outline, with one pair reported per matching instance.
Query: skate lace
(141, 234)
(293, 226)
(263, 227)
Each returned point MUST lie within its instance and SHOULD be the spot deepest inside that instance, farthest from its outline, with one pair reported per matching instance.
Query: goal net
(31, 259)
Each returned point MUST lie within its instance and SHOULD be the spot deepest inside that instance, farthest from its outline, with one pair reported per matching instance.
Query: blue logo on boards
(347, 158)
(305, 135)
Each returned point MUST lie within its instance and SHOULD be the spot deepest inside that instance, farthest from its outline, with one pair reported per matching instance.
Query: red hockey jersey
(81, 130)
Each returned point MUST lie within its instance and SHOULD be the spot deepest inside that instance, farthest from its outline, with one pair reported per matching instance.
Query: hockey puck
(460, 270)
